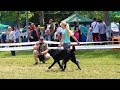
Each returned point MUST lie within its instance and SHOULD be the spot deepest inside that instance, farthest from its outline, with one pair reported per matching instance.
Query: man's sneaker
(35, 63)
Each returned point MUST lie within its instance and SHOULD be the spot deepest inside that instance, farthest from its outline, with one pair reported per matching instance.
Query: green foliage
(23, 16)
(56, 15)
(61, 15)
(11, 16)
(115, 16)
(92, 14)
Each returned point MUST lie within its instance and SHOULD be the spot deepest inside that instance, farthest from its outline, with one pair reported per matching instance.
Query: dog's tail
(73, 48)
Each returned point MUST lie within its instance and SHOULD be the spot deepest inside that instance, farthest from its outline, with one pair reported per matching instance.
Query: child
(89, 35)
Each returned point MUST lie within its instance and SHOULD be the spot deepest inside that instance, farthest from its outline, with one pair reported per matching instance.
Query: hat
(41, 38)
(9, 27)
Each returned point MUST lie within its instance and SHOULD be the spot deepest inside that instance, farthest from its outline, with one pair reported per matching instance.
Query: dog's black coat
(64, 55)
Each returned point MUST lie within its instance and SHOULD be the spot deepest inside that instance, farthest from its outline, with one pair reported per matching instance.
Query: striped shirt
(102, 28)
(17, 33)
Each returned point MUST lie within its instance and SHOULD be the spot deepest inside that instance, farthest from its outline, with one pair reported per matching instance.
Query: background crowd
(97, 31)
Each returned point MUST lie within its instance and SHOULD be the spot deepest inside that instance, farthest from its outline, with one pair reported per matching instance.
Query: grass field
(95, 64)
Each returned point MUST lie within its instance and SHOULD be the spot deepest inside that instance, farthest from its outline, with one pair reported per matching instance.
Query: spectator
(102, 31)
(17, 34)
(52, 29)
(47, 33)
(41, 51)
(3, 37)
(89, 35)
(32, 26)
(33, 35)
(38, 31)
(95, 28)
(77, 33)
(58, 30)
(10, 38)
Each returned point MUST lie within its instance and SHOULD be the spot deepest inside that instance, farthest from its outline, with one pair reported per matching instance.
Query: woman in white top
(10, 38)
(57, 34)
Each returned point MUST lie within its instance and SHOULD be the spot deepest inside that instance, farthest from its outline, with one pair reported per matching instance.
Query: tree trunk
(108, 25)
(106, 18)
(27, 21)
(18, 19)
(41, 17)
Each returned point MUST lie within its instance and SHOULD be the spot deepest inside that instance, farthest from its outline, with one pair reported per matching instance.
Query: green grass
(95, 64)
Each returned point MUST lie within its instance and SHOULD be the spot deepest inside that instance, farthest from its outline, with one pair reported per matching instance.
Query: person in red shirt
(77, 33)
(32, 26)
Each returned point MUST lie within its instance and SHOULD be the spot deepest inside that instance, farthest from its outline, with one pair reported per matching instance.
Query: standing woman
(77, 33)
(10, 38)
(52, 29)
(66, 34)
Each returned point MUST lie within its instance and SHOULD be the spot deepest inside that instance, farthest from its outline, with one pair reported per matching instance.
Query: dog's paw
(79, 68)
(48, 67)
(63, 70)
(62, 67)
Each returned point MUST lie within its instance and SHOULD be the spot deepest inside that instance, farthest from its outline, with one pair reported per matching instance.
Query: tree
(8, 16)
(18, 19)
(90, 14)
(14, 17)
(41, 17)
(114, 15)
(107, 18)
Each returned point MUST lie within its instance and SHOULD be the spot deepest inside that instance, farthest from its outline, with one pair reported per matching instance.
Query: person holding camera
(40, 50)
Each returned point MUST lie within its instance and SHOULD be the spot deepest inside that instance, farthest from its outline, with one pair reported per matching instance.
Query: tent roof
(78, 18)
(3, 26)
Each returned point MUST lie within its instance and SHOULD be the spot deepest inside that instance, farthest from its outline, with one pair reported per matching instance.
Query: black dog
(64, 55)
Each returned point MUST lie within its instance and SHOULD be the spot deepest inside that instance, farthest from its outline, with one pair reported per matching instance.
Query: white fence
(29, 45)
